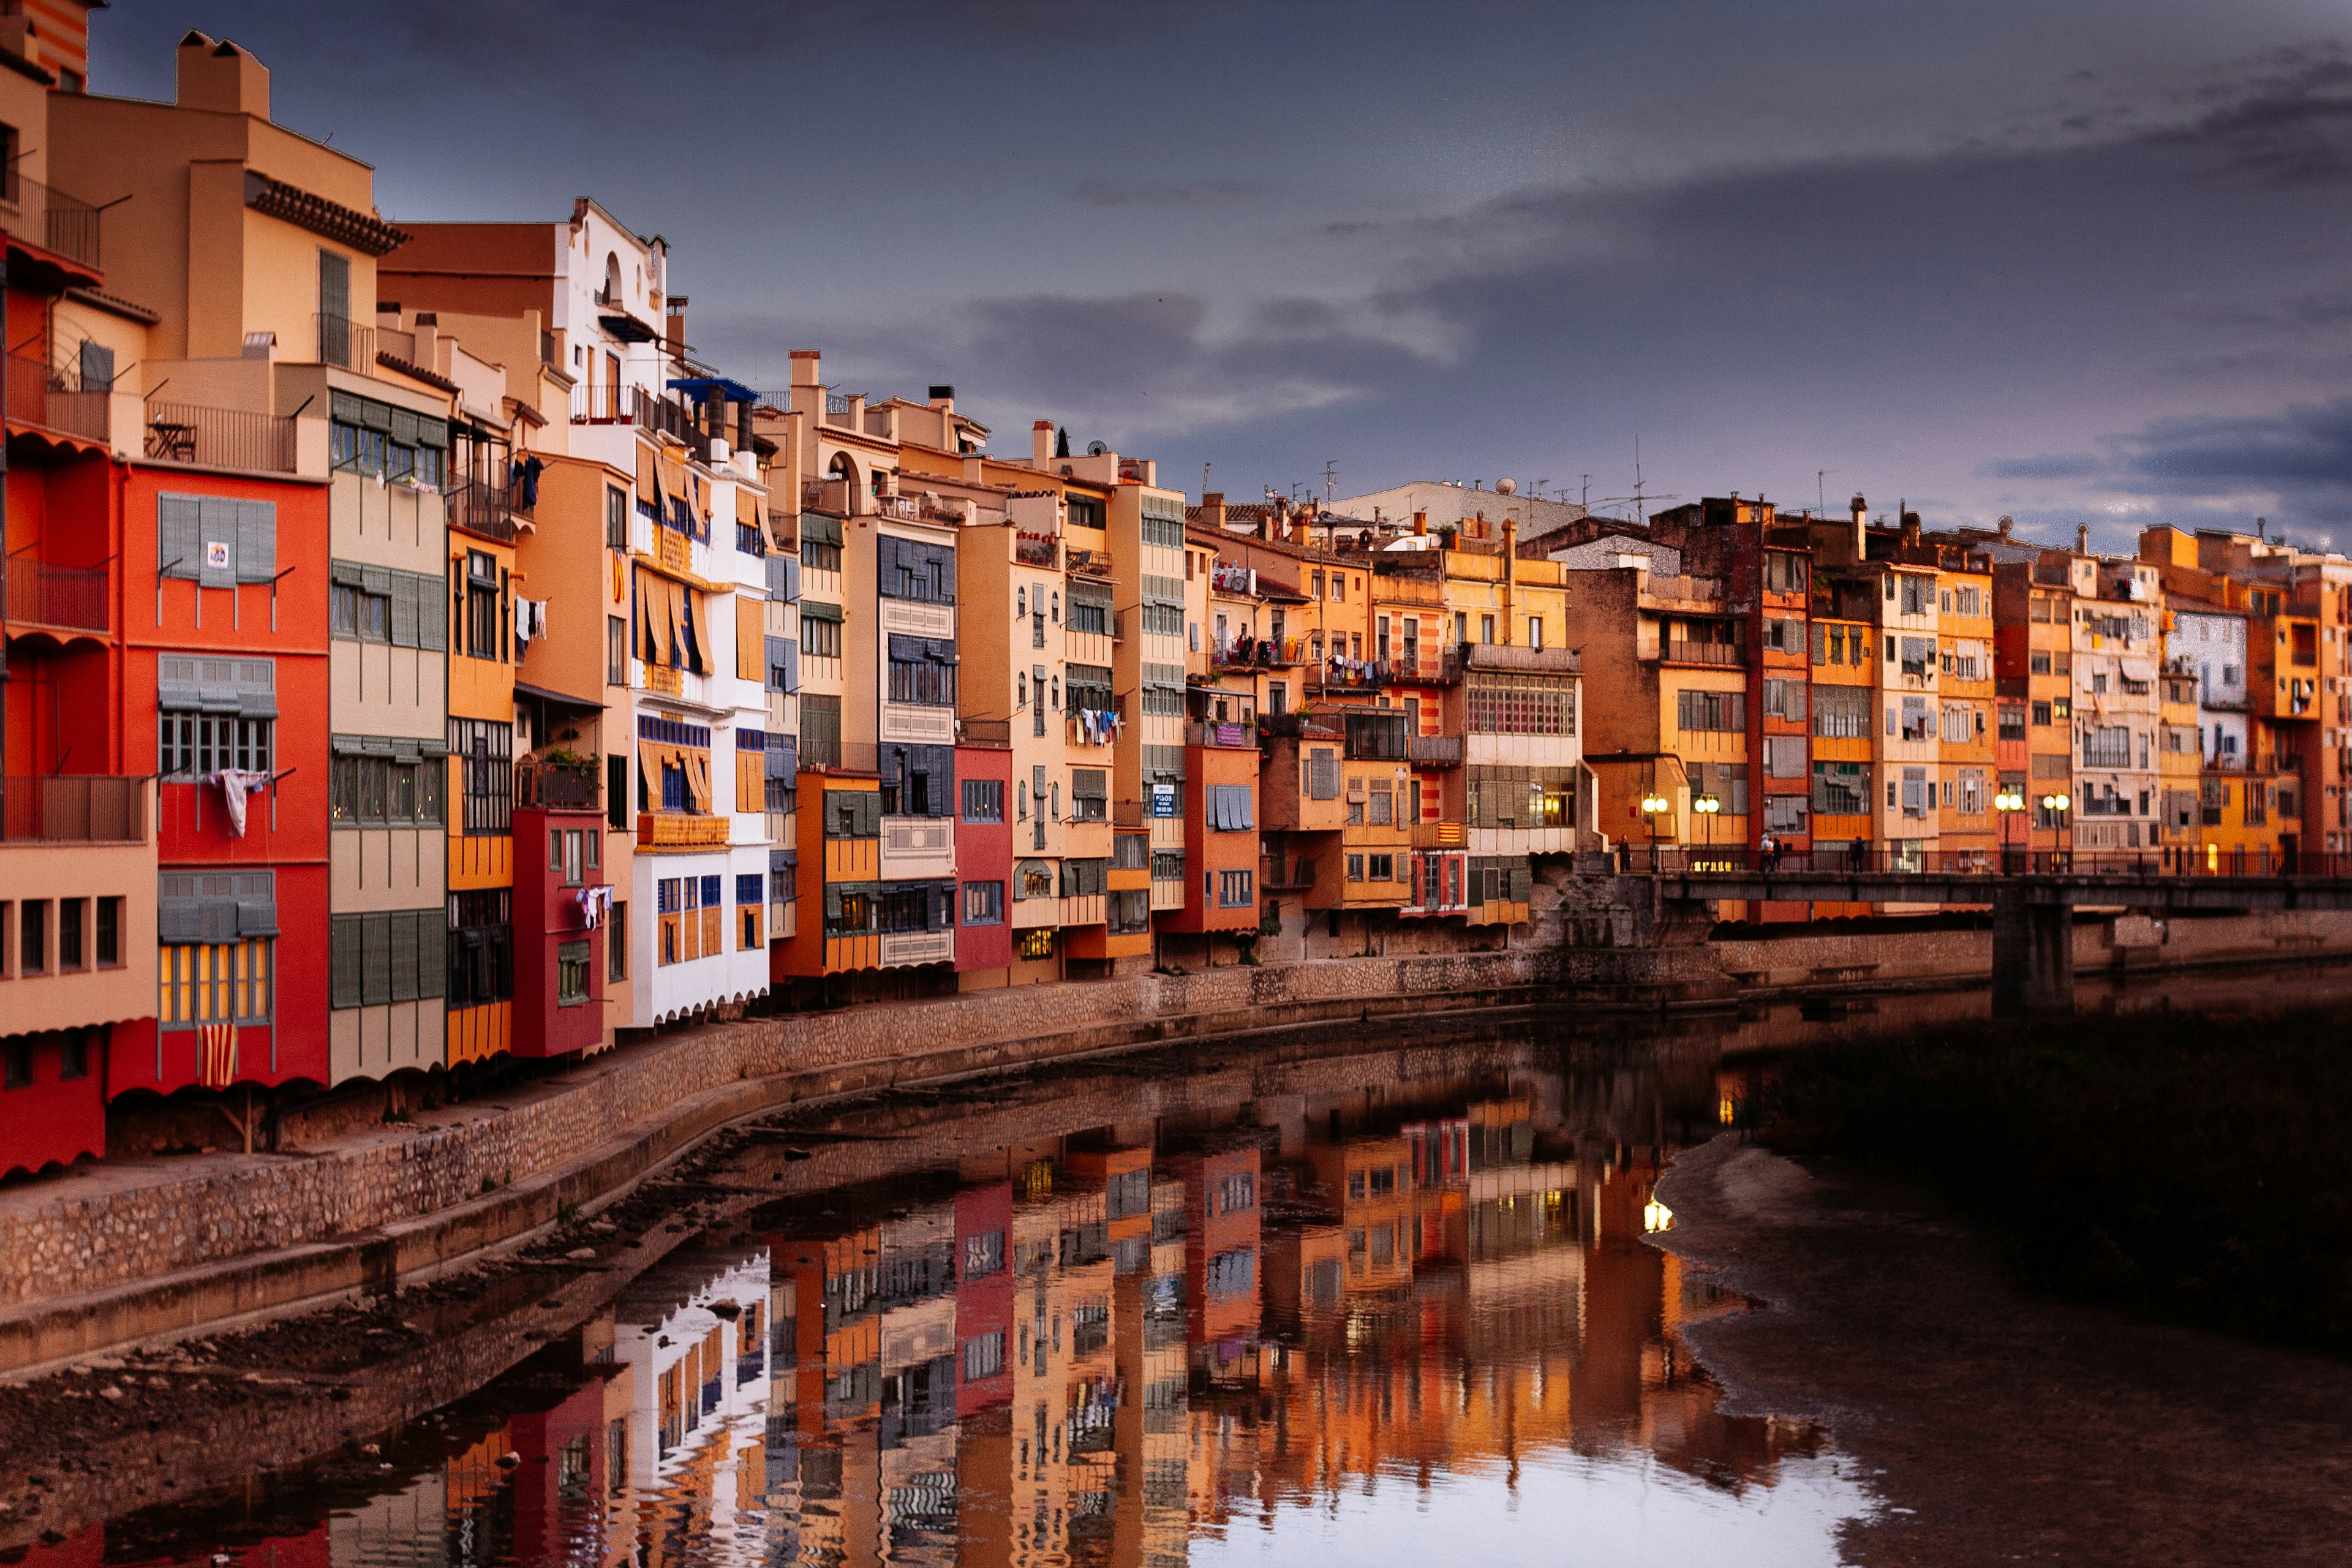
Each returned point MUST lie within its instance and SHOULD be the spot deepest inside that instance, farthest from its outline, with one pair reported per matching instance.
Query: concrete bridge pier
(2033, 955)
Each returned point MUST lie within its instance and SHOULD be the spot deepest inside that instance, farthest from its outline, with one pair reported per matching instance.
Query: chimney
(674, 326)
(2082, 539)
(1421, 522)
(805, 363)
(1910, 528)
(221, 77)
(2005, 524)
(1041, 444)
(1212, 508)
(1861, 511)
(943, 398)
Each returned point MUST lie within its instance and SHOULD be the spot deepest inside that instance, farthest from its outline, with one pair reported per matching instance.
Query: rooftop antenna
(1330, 473)
(1820, 488)
(1584, 488)
(1205, 481)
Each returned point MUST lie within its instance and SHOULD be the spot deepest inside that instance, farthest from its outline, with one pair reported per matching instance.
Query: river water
(1312, 1299)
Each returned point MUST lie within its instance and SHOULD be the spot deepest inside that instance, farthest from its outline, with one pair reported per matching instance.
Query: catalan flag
(216, 1058)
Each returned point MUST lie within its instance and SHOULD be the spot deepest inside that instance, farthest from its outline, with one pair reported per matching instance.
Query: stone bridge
(2032, 899)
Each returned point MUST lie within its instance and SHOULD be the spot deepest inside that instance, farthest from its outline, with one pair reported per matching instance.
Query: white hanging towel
(235, 784)
(530, 623)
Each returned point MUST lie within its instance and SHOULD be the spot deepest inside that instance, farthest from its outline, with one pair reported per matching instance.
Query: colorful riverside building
(285, 456)
(885, 570)
(77, 815)
(656, 460)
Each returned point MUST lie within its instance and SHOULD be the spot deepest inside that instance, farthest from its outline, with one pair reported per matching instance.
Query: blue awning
(701, 386)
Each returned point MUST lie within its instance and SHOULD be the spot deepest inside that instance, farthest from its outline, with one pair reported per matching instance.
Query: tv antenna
(1820, 488)
(1330, 473)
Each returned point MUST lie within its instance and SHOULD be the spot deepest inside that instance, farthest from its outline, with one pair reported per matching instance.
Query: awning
(698, 778)
(2140, 670)
(818, 610)
(524, 688)
(704, 386)
(648, 477)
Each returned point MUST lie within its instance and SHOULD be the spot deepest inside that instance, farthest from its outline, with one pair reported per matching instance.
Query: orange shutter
(750, 650)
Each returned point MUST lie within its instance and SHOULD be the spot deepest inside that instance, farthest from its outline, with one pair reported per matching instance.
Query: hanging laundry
(526, 482)
(235, 784)
(530, 623)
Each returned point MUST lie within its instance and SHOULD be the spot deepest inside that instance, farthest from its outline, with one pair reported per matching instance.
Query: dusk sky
(2076, 262)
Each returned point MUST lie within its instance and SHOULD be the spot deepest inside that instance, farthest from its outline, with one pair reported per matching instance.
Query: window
(196, 745)
(33, 937)
(15, 1055)
(922, 670)
(72, 913)
(1236, 1194)
(984, 800)
(1233, 889)
(2042, 714)
(1229, 809)
(1381, 868)
(616, 651)
(616, 942)
(336, 342)
(1090, 794)
(616, 518)
(570, 973)
(983, 903)
(2012, 722)
(480, 947)
(820, 635)
(1518, 705)
(1711, 712)
(367, 787)
(1086, 879)
(1233, 1273)
(1784, 699)
(109, 934)
(1841, 713)
(983, 1354)
(1037, 941)
(209, 983)
(485, 749)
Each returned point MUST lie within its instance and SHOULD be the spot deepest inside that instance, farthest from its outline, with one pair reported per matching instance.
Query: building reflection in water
(1110, 1347)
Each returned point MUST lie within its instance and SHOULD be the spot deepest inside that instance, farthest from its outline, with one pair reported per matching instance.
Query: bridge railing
(2181, 861)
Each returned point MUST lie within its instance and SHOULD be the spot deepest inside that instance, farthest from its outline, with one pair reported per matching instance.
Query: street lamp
(1653, 807)
(2008, 802)
(2056, 805)
(1707, 805)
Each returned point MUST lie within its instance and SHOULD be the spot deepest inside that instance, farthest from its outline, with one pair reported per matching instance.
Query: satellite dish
(1095, 448)
(1506, 487)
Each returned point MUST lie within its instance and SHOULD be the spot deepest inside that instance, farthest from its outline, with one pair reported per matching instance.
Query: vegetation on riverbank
(2191, 1167)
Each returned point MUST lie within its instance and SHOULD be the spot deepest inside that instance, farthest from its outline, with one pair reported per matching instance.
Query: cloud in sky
(2075, 261)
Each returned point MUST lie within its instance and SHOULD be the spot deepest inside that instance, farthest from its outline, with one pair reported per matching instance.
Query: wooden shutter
(179, 538)
(335, 287)
(404, 609)
(256, 541)
(751, 647)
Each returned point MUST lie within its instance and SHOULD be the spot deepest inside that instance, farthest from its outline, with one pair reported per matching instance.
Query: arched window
(612, 295)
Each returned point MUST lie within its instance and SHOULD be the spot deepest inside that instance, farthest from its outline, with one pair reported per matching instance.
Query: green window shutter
(217, 518)
(432, 615)
(402, 943)
(375, 960)
(403, 609)
(344, 961)
(256, 541)
(432, 953)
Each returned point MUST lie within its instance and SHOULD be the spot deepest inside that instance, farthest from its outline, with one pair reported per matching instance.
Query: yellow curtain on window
(697, 777)
(654, 638)
(648, 477)
(750, 781)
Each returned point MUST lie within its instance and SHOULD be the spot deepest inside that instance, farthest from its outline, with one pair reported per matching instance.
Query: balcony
(1728, 654)
(73, 808)
(828, 496)
(219, 437)
(49, 398)
(1342, 674)
(915, 848)
(480, 508)
(606, 403)
(911, 947)
(1213, 732)
(40, 594)
(59, 224)
(1433, 751)
(919, 509)
(1256, 653)
(983, 731)
(1437, 836)
(345, 342)
(681, 830)
(1037, 550)
(824, 753)
(557, 785)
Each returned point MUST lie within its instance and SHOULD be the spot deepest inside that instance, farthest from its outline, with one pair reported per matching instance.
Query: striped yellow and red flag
(216, 1061)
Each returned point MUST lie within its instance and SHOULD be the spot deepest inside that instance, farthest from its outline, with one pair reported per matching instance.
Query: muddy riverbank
(1997, 1425)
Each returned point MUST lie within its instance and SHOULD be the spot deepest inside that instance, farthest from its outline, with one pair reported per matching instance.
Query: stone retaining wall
(59, 1244)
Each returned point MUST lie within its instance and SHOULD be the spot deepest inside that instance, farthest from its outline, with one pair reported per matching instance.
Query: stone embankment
(120, 1253)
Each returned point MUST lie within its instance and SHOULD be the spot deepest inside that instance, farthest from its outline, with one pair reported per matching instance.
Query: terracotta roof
(364, 232)
(115, 304)
(416, 372)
